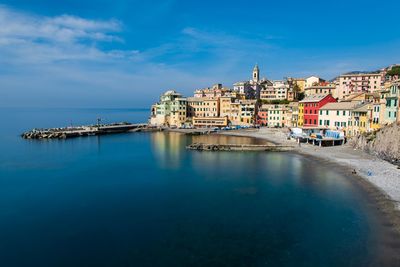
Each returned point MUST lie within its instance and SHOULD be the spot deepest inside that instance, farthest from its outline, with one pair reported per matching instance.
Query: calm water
(143, 200)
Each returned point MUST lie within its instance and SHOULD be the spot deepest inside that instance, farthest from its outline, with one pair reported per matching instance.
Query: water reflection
(168, 149)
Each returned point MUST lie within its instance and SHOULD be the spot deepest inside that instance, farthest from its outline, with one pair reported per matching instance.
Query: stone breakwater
(236, 147)
(67, 132)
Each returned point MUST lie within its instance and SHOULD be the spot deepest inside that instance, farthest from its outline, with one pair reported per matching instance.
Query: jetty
(90, 130)
(237, 147)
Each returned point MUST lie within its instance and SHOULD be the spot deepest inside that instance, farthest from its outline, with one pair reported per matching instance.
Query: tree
(394, 71)
(300, 96)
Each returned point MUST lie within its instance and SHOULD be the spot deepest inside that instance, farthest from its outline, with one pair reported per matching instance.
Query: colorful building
(170, 110)
(278, 91)
(277, 116)
(312, 81)
(262, 115)
(361, 119)
(312, 104)
(378, 114)
(300, 119)
(336, 116)
(292, 117)
(319, 89)
(210, 122)
(392, 103)
(358, 83)
(248, 111)
(216, 90)
(203, 107)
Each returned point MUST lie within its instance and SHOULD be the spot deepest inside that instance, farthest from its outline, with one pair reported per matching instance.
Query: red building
(312, 104)
(262, 115)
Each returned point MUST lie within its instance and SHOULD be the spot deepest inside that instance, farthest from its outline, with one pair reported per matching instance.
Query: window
(315, 121)
(344, 112)
(320, 122)
(337, 113)
(327, 112)
(320, 112)
(327, 122)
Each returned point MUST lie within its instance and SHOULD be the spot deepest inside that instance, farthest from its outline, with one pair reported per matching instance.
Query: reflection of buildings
(168, 148)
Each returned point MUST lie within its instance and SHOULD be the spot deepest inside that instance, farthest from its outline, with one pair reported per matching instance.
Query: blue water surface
(142, 199)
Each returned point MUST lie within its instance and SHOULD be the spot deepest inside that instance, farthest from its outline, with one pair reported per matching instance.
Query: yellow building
(234, 113)
(301, 83)
(203, 107)
(300, 118)
(247, 111)
(361, 120)
(225, 106)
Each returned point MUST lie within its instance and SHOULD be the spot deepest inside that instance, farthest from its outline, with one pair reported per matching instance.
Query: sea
(142, 199)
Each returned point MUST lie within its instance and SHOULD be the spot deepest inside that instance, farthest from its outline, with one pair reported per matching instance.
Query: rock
(384, 143)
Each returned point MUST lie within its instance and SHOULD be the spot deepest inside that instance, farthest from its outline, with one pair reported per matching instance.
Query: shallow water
(141, 199)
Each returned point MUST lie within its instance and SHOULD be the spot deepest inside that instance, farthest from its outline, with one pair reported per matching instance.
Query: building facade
(319, 89)
(311, 106)
(262, 115)
(248, 110)
(336, 116)
(392, 103)
(293, 114)
(312, 81)
(170, 110)
(361, 119)
(278, 91)
(203, 107)
(358, 83)
(277, 116)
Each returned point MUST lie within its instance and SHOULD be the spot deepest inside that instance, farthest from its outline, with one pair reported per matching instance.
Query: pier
(237, 147)
(326, 141)
(69, 132)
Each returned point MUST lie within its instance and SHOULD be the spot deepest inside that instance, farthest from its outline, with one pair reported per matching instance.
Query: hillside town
(352, 103)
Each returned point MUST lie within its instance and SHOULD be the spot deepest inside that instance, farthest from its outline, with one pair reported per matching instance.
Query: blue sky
(125, 53)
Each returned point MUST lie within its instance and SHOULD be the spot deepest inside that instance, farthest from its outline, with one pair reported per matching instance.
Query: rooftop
(339, 106)
(172, 92)
(321, 87)
(199, 99)
(363, 108)
(314, 98)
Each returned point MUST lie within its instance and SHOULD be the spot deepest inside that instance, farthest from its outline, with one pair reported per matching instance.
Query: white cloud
(18, 27)
(58, 61)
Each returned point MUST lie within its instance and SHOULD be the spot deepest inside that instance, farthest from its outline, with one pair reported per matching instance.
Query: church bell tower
(256, 74)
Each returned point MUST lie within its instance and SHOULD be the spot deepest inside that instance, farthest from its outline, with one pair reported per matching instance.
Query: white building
(312, 80)
(336, 115)
(278, 91)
